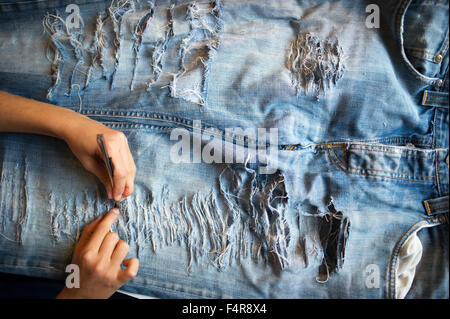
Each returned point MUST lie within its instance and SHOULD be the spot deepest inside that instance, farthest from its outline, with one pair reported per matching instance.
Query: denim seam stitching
(375, 170)
(428, 55)
(438, 182)
(221, 134)
(433, 210)
(430, 100)
(439, 207)
(355, 173)
(180, 121)
(146, 116)
(434, 128)
(443, 50)
(353, 147)
(446, 79)
(384, 152)
(437, 98)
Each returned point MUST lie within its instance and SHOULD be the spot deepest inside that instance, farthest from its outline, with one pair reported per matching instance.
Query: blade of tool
(108, 162)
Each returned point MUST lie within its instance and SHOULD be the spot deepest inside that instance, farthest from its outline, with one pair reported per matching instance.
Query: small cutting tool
(108, 162)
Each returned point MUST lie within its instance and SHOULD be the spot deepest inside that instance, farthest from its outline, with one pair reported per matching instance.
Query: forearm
(19, 114)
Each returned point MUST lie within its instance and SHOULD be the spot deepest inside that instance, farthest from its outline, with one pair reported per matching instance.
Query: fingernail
(118, 197)
(115, 211)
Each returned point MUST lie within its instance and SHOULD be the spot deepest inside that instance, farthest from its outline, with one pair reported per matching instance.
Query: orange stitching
(378, 145)
(385, 146)
(362, 149)
(399, 178)
(377, 170)
(437, 173)
(164, 120)
(367, 169)
(439, 99)
(428, 208)
(438, 207)
(378, 151)
(434, 129)
(425, 97)
(329, 155)
(393, 138)
(412, 180)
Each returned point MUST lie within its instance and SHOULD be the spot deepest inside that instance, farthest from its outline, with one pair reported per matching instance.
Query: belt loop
(434, 98)
(436, 205)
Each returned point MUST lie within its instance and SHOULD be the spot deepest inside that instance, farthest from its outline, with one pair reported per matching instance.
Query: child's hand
(81, 136)
(99, 255)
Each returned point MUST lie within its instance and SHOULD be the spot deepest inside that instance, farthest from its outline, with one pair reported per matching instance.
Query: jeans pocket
(407, 257)
(422, 27)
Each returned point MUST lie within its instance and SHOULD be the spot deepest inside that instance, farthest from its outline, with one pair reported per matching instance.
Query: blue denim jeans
(349, 201)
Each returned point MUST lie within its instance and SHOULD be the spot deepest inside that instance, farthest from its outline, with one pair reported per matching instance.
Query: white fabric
(408, 259)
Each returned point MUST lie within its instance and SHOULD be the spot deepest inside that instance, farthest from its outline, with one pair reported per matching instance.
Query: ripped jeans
(345, 197)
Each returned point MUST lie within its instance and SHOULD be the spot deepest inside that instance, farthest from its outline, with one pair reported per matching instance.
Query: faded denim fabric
(356, 201)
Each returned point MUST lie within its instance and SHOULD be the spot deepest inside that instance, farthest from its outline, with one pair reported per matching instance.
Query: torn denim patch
(149, 29)
(197, 51)
(315, 64)
(326, 236)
